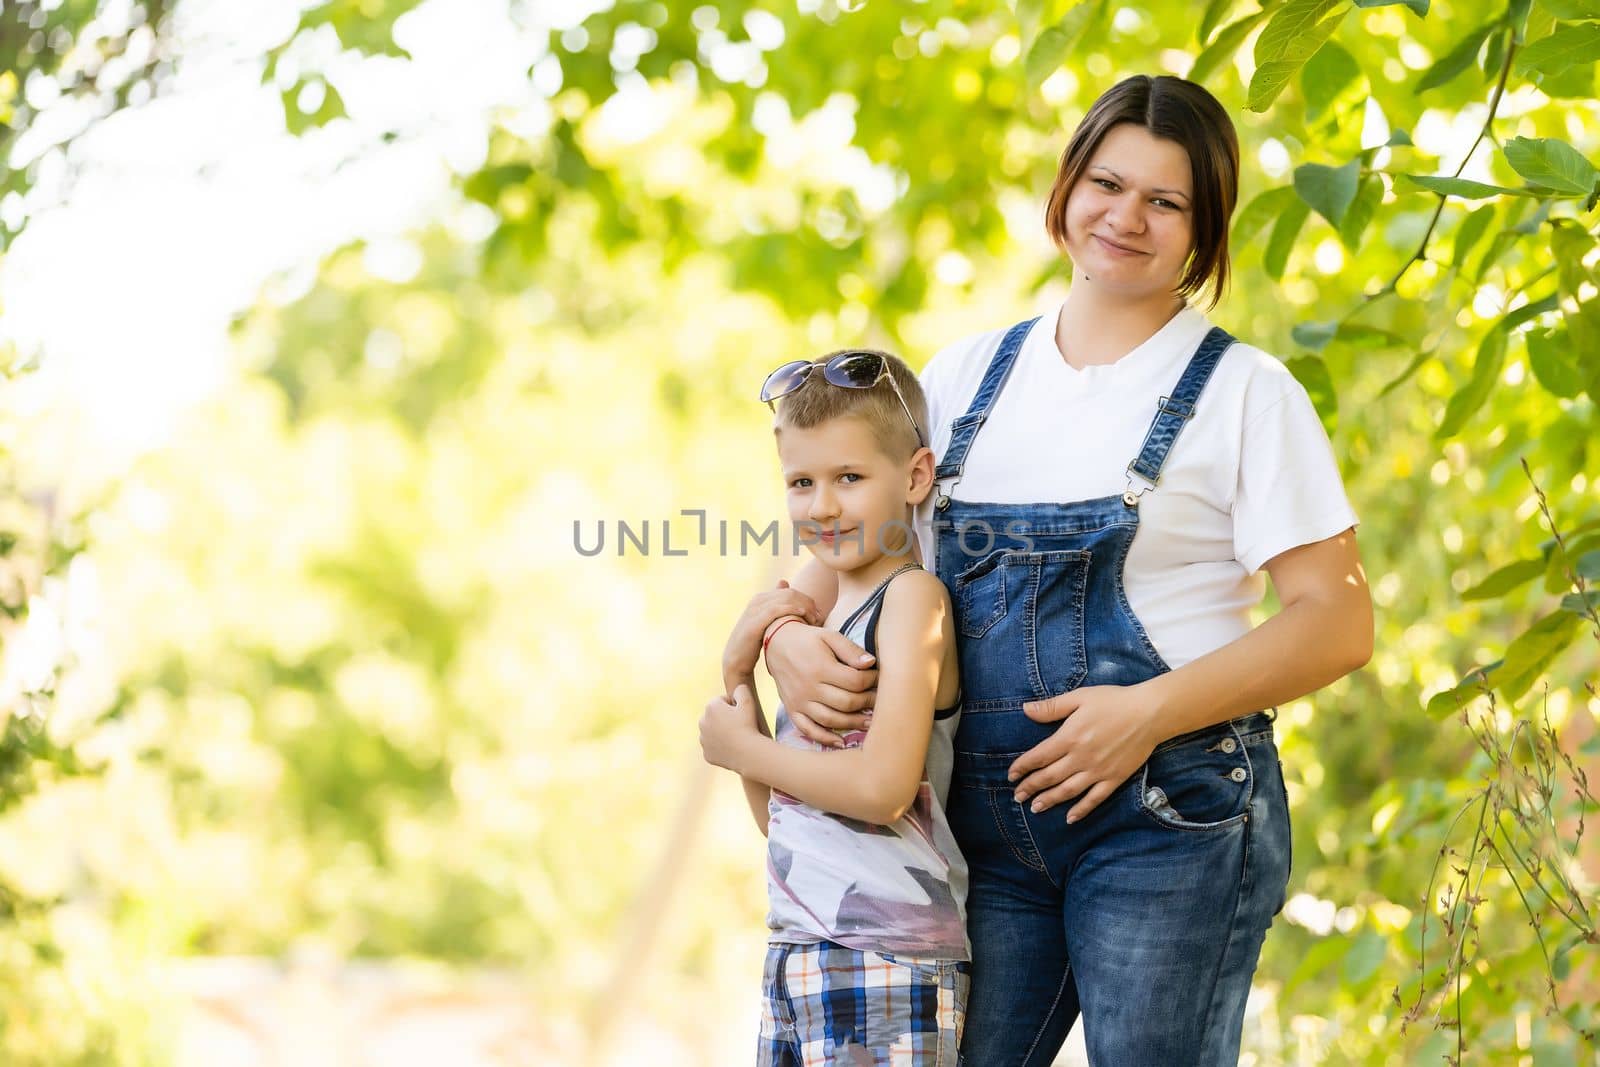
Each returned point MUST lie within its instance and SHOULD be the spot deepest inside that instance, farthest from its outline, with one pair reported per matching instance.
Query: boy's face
(840, 480)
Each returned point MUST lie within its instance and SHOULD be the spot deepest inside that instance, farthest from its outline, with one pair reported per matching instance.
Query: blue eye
(853, 478)
(800, 483)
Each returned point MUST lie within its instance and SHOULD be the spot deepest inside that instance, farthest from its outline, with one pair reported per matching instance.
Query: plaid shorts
(825, 1005)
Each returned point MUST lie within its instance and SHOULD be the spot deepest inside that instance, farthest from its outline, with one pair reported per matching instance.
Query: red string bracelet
(767, 640)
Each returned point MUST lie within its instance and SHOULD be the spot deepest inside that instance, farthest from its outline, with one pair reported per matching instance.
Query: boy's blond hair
(818, 400)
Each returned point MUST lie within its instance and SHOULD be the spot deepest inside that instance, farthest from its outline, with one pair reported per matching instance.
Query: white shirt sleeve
(1289, 491)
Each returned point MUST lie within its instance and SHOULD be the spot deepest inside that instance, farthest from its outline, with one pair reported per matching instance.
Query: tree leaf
(1281, 243)
(1314, 335)
(1365, 957)
(1568, 46)
(1470, 232)
(1222, 49)
(1257, 213)
(1532, 653)
(1456, 61)
(1572, 10)
(1465, 188)
(1293, 35)
(1511, 576)
(1327, 74)
(1369, 196)
(1418, 7)
(1051, 47)
(1215, 10)
(1553, 362)
(1552, 164)
(1467, 400)
(1330, 190)
(1464, 692)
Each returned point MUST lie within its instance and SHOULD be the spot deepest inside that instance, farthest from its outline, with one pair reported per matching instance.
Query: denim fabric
(1148, 916)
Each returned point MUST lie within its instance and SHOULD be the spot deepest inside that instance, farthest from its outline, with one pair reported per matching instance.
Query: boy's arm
(756, 794)
(878, 781)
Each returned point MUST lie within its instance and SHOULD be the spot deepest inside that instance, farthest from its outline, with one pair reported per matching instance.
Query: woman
(1111, 483)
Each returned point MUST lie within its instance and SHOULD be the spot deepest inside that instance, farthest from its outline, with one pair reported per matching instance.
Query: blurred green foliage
(371, 676)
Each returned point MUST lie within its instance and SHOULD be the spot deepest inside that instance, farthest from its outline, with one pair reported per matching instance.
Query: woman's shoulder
(961, 363)
(1257, 376)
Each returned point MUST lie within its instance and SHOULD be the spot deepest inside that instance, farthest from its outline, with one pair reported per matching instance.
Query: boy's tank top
(898, 888)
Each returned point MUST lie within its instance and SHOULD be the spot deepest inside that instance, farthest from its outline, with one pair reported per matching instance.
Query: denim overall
(1148, 915)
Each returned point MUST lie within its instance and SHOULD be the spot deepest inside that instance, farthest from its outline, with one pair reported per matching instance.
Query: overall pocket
(1020, 617)
(1200, 783)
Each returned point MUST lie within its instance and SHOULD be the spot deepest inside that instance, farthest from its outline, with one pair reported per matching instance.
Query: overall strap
(1174, 412)
(964, 429)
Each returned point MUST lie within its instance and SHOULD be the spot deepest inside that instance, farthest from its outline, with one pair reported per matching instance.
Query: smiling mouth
(1119, 248)
(833, 535)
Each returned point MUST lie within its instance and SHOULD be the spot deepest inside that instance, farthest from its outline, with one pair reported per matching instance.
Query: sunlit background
(338, 333)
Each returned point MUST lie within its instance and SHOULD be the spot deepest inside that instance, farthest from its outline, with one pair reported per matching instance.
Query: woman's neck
(1097, 327)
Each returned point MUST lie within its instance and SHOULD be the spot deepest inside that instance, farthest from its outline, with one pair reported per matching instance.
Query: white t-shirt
(1251, 475)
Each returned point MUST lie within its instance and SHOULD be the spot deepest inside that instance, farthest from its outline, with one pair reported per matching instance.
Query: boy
(867, 958)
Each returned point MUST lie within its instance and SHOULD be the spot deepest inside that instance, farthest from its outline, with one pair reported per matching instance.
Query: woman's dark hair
(1187, 114)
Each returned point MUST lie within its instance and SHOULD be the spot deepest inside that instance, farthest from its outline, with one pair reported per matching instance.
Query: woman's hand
(743, 649)
(824, 681)
(1108, 733)
(727, 726)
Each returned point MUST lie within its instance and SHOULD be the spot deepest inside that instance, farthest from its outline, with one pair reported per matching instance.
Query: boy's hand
(743, 649)
(826, 682)
(726, 726)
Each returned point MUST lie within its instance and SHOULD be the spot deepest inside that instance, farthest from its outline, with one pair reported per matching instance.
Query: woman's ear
(919, 476)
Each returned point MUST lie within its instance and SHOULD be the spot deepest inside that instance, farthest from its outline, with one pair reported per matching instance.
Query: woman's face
(1130, 217)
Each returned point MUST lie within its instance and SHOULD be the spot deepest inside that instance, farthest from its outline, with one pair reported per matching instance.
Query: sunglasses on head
(848, 370)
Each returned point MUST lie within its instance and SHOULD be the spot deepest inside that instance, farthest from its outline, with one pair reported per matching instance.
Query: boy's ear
(919, 476)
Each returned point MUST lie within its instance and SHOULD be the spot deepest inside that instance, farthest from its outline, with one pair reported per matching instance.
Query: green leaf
(1517, 12)
(1255, 215)
(1465, 188)
(1471, 231)
(1327, 74)
(1467, 690)
(1314, 335)
(1284, 232)
(1588, 566)
(1365, 957)
(1293, 35)
(1418, 7)
(1317, 960)
(1215, 10)
(1578, 607)
(1369, 196)
(1554, 363)
(1456, 61)
(1221, 50)
(1485, 370)
(1531, 654)
(1568, 46)
(1051, 47)
(1511, 576)
(1572, 10)
(297, 121)
(1526, 313)
(1552, 164)
(1312, 373)
(1330, 190)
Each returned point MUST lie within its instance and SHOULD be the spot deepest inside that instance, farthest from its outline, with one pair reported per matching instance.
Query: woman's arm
(824, 679)
(878, 781)
(1323, 632)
